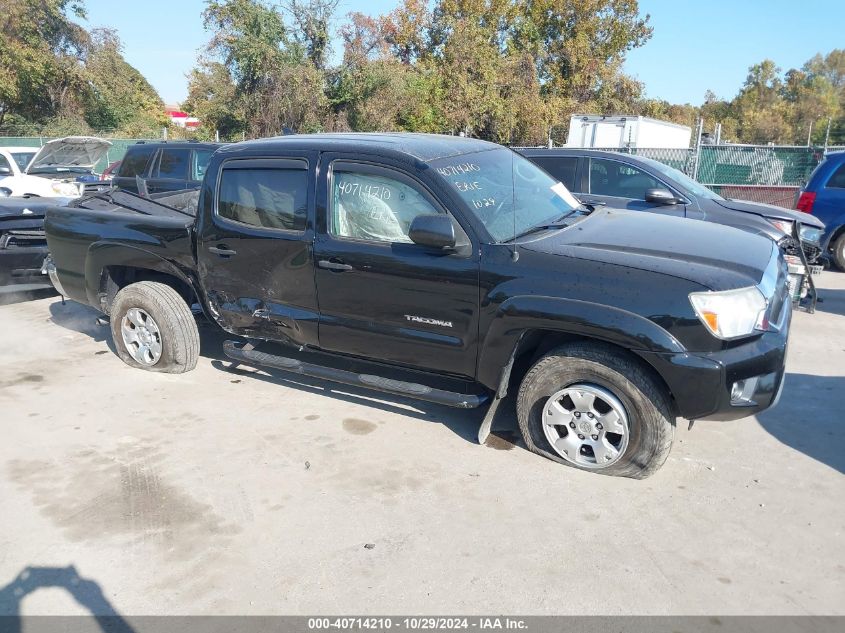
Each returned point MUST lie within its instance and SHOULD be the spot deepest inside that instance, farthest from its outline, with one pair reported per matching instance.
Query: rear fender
(102, 255)
(583, 319)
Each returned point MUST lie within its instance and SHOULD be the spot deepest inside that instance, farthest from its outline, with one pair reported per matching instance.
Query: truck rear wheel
(589, 406)
(153, 328)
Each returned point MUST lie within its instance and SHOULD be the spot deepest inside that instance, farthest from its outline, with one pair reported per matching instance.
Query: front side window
(837, 180)
(506, 192)
(22, 159)
(372, 206)
(267, 198)
(174, 163)
(612, 178)
(201, 158)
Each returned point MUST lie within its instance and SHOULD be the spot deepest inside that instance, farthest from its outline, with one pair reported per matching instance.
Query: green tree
(119, 96)
(40, 49)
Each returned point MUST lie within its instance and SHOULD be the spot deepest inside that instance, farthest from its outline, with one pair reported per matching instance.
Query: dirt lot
(254, 492)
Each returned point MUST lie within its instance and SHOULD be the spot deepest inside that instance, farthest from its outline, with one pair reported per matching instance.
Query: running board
(236, 351)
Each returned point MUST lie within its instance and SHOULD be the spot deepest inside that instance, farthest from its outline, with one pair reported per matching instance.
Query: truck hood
(770, 211)
(70, 151)
(714, 256)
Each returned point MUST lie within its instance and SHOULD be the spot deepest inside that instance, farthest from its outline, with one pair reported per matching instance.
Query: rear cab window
(135, 162)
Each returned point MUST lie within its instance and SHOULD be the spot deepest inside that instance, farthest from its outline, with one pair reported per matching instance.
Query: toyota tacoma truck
(445, 269)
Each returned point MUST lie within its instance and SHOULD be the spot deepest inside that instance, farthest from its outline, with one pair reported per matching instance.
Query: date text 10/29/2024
(417, 623)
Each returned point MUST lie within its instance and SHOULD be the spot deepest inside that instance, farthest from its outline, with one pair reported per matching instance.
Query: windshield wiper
(545, 226)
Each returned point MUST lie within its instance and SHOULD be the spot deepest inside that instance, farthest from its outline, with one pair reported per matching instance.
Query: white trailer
(626, 131)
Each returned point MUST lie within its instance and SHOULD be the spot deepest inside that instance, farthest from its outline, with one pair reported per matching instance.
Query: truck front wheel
(153, 328)
(589, 406)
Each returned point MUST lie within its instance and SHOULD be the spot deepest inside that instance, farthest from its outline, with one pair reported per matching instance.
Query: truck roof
(424, 147)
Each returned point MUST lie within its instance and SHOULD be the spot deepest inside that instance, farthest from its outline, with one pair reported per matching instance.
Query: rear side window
(267, 198)
(837, 180)
(562, 169)
(5, 167)
(174, 163)
(135, 161)
(612, 178)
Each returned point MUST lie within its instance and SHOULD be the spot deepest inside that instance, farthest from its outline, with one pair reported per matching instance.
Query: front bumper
(701, 383)
(22, 266)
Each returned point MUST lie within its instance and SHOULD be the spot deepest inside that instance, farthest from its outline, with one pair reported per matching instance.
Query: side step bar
(236, 351)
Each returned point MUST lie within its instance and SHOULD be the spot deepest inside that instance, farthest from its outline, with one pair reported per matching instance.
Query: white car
(54, 169)
(14, 160)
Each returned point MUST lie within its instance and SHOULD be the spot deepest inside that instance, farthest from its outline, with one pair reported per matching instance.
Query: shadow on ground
(19, 294)
(86, 592)
(832, 300)
(809, 418)
(463, 422)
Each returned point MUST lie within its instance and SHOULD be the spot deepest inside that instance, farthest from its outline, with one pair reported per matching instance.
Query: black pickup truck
(448, 270)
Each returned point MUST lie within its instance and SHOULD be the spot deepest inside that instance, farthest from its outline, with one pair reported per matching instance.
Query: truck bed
(142, 229)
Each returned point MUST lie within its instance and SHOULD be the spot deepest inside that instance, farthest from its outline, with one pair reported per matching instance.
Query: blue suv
(824, 197)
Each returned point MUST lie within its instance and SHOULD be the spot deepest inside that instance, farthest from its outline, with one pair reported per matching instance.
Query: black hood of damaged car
(28, 207)
(714, 256)
(770, 211)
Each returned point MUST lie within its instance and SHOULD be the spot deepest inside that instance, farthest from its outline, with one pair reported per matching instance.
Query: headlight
(69, 189)
(733, 313)
(783, 225)
(809, 233)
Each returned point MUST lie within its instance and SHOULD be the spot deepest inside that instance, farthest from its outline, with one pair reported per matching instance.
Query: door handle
(336, 266)
(222, 251)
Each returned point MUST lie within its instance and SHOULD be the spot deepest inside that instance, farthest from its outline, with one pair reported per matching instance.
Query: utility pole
(809, 134)
(827, 134)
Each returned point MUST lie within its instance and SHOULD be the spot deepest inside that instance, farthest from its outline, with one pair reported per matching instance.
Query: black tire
(180, 340)
(838, 249)
(646, 402)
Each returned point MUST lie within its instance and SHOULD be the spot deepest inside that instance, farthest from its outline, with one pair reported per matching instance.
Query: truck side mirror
(660, 196)
(436, 231)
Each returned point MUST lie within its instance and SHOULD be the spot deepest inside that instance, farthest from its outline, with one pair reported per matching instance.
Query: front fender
(101, 255)
(519, 314)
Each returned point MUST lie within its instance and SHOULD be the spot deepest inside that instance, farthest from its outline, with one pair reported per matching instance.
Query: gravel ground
(248, 492)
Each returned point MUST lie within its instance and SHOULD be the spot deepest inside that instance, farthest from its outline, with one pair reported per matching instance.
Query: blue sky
(696, 44)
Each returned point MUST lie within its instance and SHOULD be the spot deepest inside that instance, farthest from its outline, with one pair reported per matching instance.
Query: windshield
(693, 188)
(507, 193)
(22, 158)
